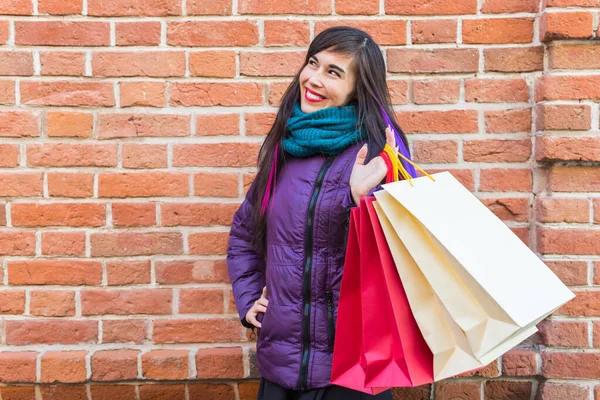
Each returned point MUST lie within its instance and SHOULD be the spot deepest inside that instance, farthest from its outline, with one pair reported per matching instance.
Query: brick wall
(129, 131)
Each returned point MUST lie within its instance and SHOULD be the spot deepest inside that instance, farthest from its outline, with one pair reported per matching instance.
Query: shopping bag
(488, 281)
(348, 367)
(395, 350)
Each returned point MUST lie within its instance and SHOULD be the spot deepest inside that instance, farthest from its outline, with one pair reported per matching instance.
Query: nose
(315, 79)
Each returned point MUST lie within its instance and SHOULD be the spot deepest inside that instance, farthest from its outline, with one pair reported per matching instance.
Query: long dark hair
(370, 95)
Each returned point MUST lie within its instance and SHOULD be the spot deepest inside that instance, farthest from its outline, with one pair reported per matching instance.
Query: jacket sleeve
(245, 265)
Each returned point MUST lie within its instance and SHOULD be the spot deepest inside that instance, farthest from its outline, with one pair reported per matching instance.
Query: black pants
(272, 391)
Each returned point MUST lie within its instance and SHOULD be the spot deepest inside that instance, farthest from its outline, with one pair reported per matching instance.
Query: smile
(312, 97)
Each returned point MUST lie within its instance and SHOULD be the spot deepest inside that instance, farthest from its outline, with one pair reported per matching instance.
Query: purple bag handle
(409, 168)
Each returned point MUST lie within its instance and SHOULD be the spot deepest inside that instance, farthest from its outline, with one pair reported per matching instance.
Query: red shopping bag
(378, 344)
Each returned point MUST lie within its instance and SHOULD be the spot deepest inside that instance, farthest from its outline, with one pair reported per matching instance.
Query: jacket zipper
(307, 281)
(330, 321)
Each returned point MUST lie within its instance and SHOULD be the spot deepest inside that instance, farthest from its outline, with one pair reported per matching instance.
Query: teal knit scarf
(327, 131)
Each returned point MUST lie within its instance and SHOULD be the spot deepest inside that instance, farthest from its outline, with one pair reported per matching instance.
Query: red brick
(505, 180)
(62, 391)
(509, 209)
(12, 302)
(208, 184)
(574, 179)
(569, 210)
(197, 214)
(208, 243)
(134, 214)
(432, 60)
(138, 243)
(165, 364)
(219, 363)
(217, 124)
(559, 390)
(574, 56)
(73, 185)
(464, 176)
(496, 90)
(497, 30)
(16, 7)
(201, 300)
(159, 392)
(112, 392)
(117, 8)
(138, 33)
(571, 273)
(568, 241)
(213, 63)
(453, 121)
(16, 392)
(596, 206)
(288, 32)
(586, 303)
(114, 365)
(72, 155)
(270, 64)
(571, 365)
(398, 91)
(509, 6)
(514, 59)
(491, 150)
(568, 149)
(143, 184)
(276, 90)
(54, 272)
(16, 62)
(142, 125)
(62, 63)
(563, 117)
(62, 33)
(519, 363)
(551, 87)
(387, 32)
(51, 331)
(16, 243)
(17, 366)
(7, 89)
(69, 124)
(19, 123)
(433, 31)
(508, 390)
(349, 7)
(311, 7)
(201, 7)
(436, 91)
(248, 390)
(215, 155)
(52, 303)
(216, 94)
(60, 7)
(435, 7)
(124, 331)
(126, 302)
(566, 25)
(572, 3)
(58, 214)
(212, 33)
(139, 63)
(64, 93)
(128, 272)
(210, 330)
(456, 390)
(596, 337)
(435, 151)
(9, 155)
(63, 366)
(259, 123)
(199, 391)
(63, 243)
(198, 271)
(144, 155)
(4, 32)
(143, 94)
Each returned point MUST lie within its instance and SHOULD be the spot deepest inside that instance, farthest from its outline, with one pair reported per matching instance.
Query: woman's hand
(260, 306)
(365, 177)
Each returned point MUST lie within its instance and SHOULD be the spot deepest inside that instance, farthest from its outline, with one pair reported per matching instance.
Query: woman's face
(326, 81)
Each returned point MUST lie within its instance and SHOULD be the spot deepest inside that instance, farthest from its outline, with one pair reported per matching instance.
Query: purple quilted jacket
(306, 237)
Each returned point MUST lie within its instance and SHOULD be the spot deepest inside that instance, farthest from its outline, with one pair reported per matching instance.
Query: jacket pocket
(330, 320)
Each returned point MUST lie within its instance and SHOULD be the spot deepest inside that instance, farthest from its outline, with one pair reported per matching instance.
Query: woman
(287, 243)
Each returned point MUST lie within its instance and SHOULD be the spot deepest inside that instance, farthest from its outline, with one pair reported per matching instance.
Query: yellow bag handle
(398, 167)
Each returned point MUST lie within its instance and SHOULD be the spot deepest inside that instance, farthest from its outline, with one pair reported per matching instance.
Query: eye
(335, 72)
(312, 62)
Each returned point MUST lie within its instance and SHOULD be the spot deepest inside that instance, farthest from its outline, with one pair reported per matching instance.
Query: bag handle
(397, 166)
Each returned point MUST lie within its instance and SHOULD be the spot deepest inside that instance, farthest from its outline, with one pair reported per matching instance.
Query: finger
(362, 155)
(264, 292)
(252, 320)
(263, 302)
(259, 308)
(390, 137)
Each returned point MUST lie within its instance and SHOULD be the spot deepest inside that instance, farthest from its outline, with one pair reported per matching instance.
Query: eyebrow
(332, 66)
